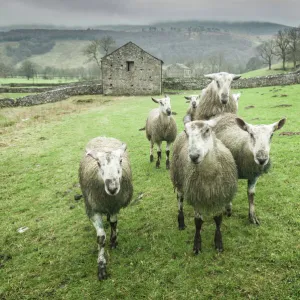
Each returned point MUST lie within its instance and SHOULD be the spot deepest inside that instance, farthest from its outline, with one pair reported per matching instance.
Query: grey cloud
(93, 12)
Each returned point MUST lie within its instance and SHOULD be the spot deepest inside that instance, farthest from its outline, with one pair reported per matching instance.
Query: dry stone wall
(202, 82)
(53, 95)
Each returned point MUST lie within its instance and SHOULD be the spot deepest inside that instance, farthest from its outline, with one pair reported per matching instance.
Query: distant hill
(171, 41)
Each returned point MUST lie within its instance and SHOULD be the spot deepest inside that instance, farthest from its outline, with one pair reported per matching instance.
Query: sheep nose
(169, 112)
(113, 190)
(262, 161)
(194, 104)
(194, 157)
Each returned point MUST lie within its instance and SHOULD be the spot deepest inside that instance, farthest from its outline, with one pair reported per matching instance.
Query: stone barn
(130, 70)
(178, 71)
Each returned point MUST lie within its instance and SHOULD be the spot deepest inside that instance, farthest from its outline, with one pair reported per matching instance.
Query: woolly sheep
(161, 126)
(236, 97)
(216, 99)
(250, 146)
(194, 101)
(204, 173)
(106, 184)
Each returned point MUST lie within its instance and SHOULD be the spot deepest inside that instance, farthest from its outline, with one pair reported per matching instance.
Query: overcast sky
(101, 12)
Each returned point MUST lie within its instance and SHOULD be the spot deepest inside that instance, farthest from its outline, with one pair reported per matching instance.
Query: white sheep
(204, 173)
(217, 99)
(161, 126)
(106, 184)
(236, 97)
(250, 146)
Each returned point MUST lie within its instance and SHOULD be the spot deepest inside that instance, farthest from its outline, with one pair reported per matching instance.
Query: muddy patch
(289, 133)
(250, 106)
(282, 105)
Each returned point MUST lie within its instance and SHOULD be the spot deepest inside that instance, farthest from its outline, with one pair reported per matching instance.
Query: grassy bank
(56, 257)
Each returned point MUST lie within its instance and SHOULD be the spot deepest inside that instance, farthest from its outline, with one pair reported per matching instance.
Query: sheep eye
(98, 163)
(121, 160)
(218, 84)
(251, 135)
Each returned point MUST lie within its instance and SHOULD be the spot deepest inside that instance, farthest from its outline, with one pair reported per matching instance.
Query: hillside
(172, 42)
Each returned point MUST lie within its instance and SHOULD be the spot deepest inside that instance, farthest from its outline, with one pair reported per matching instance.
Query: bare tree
(294, 46)
(266, 51)
(92, 51)
(107, 43)
(282, 44)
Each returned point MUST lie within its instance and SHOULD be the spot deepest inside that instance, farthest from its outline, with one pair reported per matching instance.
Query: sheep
(216, 98)
(236, 97)
(194, 101)
(203, 172)
(250, 147)
(161, 126)
(106, 185)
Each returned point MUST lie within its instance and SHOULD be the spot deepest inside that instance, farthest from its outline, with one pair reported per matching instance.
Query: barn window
(130, 65)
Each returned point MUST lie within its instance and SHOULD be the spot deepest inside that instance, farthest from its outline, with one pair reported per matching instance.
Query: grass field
(56, 257)
(34, 81)
(276, 69)
(14, 95)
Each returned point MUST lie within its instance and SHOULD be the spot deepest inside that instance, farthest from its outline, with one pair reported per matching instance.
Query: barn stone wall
(143, 78)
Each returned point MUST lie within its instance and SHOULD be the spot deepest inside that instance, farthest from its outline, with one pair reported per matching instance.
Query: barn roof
(135, 46)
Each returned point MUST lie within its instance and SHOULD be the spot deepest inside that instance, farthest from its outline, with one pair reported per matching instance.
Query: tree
(282, 43)
(28, 69)
(254, 63)
(266, 51)
(92, 51)
(107, 43)
(294, 46)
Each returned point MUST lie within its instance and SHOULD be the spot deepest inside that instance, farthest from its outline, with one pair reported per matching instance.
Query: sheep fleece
(92, 185)
(207, 186)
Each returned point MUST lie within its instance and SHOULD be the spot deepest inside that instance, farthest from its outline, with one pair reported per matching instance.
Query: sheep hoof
(253, 219)
(102, 275)
(196, 251)
(113, 244)
(168, 165)
(181, 226)
(151, 158)
(219, 246)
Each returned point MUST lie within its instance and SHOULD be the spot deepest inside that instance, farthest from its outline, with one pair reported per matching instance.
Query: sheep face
(193, 100)
(200, 139)
(236, 97)
(222, 82)
(109, 168)
(164, 105)
(260, 137)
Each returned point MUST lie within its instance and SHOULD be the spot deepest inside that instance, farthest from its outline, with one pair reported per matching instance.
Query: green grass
(276, 69)
(14, 95)
(56, 257)
(35, 80)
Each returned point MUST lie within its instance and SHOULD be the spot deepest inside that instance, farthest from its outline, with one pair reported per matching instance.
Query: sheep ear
(187, 119)
(166, 96)
(155, 100)
(278, 125)
(236, 77)
(91, 153)
(212, 123)
(242, 124)
(188, 98)
(187, 127)
(210, 76)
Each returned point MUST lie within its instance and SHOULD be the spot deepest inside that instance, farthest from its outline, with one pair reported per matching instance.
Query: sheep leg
(251, 192)
(151, 151)
(197, 238)
(167, 155)
(158, 155)
(181, 224)
(113, 233)
(101, 238)
(218, 234)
